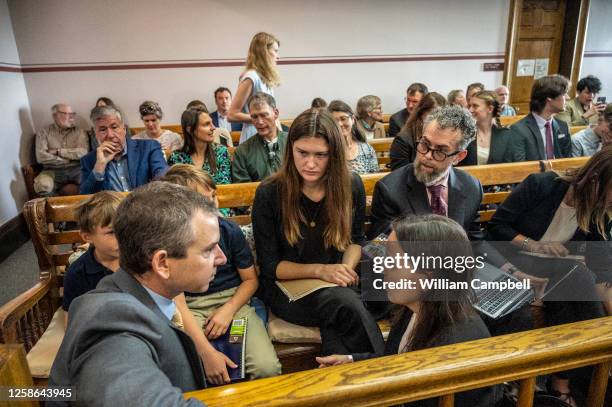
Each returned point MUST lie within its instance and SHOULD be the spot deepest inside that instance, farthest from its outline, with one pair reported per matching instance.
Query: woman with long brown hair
(493, 143)
(403, 148)
(548, 217)
(308, 223)
(260, 75)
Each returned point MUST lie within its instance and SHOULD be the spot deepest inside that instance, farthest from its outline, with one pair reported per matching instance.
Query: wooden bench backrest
(510, 120)
(440, 371)
(42, 213)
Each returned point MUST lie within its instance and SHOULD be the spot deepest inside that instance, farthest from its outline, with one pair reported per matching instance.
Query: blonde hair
(98, 210)
(188, 175)
(259, 60)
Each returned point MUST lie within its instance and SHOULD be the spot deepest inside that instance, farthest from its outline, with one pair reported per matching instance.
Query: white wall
(121, 32)
(16, 130)
(599, 41)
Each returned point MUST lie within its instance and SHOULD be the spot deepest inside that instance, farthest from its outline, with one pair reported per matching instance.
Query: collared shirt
(507, 111)
(165, 305)
(253, 161)
(82, 276)
(223, 122)
(443, 180)
(542, 126)
(118, 174)
(58, 147)
(585, 143)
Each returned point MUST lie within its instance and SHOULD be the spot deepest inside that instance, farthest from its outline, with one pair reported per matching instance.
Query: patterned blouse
(365, 162)
(223, 175)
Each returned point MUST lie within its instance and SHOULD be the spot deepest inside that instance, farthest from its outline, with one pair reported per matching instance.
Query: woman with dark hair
(259, 75)
(200, 149)
(403, 151)
(550, 216)
(318, 102)
(426, 318)
(308, 224)
(360, 155)
(493, 143)
(151, 115)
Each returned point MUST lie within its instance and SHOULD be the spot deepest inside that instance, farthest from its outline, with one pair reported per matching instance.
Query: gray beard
(427, 178)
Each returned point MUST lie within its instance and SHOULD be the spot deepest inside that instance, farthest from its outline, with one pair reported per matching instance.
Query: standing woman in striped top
(259, 75)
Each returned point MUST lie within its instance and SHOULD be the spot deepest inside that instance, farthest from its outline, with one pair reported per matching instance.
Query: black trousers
(346, 325)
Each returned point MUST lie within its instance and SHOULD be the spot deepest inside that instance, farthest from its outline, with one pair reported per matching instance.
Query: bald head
(63, 115)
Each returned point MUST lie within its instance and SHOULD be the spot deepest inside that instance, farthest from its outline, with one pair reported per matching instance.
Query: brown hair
(606, 115)
(98, 210)
(490, 99)
(551, 86)
(414, 124)
(187, 175)
(259, 60)
(435, 235)
(590, 185)
(337, 211)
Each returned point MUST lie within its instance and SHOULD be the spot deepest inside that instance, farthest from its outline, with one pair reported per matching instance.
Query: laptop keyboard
(493, 300)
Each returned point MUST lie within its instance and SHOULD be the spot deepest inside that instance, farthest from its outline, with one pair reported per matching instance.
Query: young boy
(95, 217)
(227, 297)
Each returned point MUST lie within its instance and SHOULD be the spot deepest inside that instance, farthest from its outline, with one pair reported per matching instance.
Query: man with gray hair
(122, 346)
(432, 185)
(118, 164)
(262, 154)
(503, 96)
(59, 147)
(431, 182)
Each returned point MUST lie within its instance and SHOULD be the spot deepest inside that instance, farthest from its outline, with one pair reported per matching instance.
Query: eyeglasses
(437, 155)
(70, 114)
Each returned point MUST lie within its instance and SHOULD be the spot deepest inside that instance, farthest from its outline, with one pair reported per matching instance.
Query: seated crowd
(166, 275)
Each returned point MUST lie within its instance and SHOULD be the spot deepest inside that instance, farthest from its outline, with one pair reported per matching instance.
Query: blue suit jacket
(215, 118)
(145, 163)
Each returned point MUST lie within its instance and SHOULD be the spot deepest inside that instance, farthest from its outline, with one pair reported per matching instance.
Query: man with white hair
(59, 147)
(503, 96)
(119, 164)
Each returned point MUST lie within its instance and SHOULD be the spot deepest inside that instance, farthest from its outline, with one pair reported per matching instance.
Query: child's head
(193, 178)
(95, 216)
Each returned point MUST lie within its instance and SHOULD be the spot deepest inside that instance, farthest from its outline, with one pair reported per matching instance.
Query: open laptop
(496, 303)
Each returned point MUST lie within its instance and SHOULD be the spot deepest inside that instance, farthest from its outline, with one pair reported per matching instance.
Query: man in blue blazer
(223, 100)
(118, 164)
(539, 136)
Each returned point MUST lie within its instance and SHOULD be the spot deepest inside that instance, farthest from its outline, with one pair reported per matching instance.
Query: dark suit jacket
(500, 150)
(402, 150)
(145, 163)
(468, 330)
(120, 350)
(529, 210)
(215, 118)
(528, 144)
(399, 193)
(397, 121)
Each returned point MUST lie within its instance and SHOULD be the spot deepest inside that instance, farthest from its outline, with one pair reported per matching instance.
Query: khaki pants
(260, 358)
(50, 180)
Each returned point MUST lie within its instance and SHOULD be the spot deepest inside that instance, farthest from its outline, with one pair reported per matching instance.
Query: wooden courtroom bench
(24, 319)
(437, 372)
(507, 121)
(14, 373)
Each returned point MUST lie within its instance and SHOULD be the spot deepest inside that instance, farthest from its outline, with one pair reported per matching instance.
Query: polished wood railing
(437, 372)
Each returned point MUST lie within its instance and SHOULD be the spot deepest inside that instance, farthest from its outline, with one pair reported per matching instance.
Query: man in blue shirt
(118, 164)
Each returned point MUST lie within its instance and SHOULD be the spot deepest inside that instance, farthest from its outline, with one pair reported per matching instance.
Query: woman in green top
(199, 148)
